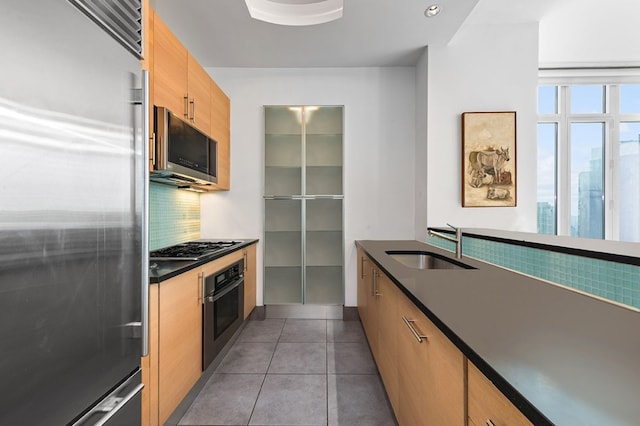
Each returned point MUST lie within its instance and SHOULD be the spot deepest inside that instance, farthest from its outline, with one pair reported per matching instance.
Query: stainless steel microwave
(184, 156)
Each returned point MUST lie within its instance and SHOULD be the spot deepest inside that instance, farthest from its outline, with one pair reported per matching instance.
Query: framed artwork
(489, 159)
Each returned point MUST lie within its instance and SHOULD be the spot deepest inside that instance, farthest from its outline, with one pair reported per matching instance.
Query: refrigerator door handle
(145, 213)
(141, 98)
(110, 405)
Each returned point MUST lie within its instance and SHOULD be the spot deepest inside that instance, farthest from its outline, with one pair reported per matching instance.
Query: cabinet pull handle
(416, 334)
(152, 149)
(186, 106)
(244, 254)
(362, 260)
(490, 423)
(373, 282)
(193, 109)
(201, 295)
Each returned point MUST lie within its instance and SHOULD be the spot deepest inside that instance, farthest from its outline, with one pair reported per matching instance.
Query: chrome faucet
(457, 239)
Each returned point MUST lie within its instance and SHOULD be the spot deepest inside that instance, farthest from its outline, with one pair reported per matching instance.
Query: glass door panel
(323, 154)
(629, 182)
(547, 180)
(324, 251)
(283, 251)
(283, 152)
(587, 180)
(324, 180)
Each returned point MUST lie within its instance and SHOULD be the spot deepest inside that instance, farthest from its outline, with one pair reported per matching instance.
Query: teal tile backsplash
(614, 281)
(174, 216)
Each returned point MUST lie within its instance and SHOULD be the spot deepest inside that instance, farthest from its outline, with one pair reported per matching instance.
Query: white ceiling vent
(295, 12)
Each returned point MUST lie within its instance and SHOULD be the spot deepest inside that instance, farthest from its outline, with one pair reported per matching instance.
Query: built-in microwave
(183, 156)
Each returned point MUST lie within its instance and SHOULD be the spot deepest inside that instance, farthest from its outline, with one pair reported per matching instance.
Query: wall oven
(223, 310)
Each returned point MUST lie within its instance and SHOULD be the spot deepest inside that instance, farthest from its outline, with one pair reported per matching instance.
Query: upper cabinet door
(220, 131)
(170, 65)
(181, 84)
(323, 150)
(283, 151)
(199, 98)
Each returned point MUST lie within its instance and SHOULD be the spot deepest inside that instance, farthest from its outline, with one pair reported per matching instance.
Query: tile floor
(295, 372)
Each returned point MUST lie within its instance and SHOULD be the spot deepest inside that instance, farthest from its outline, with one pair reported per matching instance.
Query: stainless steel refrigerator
(73, 187)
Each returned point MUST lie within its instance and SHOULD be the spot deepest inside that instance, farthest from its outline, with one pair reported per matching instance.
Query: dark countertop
(561, 356)
(161, 270)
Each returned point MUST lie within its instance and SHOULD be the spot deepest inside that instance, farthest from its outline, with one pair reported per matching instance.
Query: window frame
(611, 80)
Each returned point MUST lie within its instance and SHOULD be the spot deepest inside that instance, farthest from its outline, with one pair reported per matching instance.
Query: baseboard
(304, 311)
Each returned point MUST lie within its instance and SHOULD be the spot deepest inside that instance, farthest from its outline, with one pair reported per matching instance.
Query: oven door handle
(226, 290)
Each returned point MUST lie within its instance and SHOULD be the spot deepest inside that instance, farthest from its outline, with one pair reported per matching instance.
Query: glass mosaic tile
(174, 216)
(615, 281)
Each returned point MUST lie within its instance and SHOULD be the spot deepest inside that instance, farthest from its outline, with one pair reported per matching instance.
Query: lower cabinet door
(180, 343)
(431, 372)
(363, 273)
(249, 280)
(388, 330)
(487, 405)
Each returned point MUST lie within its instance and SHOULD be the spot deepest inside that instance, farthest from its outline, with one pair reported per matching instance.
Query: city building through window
(588, 164)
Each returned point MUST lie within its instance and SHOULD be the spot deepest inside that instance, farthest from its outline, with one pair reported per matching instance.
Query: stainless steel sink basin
(426, 260)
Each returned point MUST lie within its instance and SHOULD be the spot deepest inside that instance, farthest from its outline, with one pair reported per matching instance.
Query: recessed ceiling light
(432, 11)
(295, 12)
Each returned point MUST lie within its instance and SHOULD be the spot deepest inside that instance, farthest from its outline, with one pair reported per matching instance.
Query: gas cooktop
(192, 250)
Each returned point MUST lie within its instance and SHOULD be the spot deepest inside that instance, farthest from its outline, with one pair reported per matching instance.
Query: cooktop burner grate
(192, 250)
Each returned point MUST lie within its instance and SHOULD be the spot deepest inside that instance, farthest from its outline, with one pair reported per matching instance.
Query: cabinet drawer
(487, 405)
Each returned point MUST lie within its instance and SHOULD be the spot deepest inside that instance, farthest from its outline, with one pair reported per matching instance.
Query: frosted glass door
(303, 192)
(282, 152)
(323, 252)
(323, 156)
(283, 251)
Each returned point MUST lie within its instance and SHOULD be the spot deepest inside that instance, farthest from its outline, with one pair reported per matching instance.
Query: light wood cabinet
(364, 272)
(388, 330)
(182, 85)
(431, 371)
(377, 306)
(170, 70)
(249, 280)
(149, 365)
(147, 65)
(368, 302)
(487, 405)
(199, 96)
(180, 82)
(422, 370)
(180, 339)
(221, 133)
(174, 363)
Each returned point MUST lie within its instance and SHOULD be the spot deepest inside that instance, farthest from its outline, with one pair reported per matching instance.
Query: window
(589, 160)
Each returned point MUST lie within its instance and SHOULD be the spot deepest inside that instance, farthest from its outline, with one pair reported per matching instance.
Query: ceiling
(371, 33)
(220, 33)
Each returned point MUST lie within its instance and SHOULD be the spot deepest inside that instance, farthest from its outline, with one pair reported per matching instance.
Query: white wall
(422, 80)
(484, 68)
(590, 33)
(379, 146)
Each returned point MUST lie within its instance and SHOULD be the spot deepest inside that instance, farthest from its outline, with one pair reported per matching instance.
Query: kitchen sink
(426, 260)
